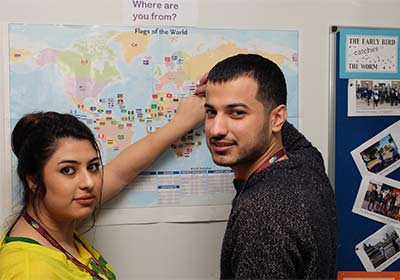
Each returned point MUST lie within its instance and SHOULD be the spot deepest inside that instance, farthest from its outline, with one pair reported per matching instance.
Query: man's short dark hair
(269, 77)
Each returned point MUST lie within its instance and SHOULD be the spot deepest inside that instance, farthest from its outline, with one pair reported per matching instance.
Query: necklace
(279, 154)
(28, 218)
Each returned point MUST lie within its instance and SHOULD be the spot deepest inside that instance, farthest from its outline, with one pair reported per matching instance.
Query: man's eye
(238, 114)
(68, 170)
(94, 167)
(210, 112)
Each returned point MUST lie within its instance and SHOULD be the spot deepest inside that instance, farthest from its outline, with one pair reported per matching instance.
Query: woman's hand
(190, 112)
(201, 90)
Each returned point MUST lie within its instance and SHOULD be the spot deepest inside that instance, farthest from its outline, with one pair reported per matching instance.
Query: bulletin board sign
(366, 99)
(369, 53)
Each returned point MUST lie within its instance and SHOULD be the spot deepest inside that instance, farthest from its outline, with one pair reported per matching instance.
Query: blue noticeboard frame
(351, 132)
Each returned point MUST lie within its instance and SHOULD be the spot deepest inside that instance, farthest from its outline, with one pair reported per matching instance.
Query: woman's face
(73, 180)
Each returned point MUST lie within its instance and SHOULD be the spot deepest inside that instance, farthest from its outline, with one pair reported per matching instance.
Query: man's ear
(278, 117)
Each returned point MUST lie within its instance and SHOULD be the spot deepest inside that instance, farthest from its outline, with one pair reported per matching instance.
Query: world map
(125, 82)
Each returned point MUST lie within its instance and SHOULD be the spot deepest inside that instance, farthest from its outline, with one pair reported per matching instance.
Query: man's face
(236, 125)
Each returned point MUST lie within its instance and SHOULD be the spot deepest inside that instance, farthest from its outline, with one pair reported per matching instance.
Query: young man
(283, 222)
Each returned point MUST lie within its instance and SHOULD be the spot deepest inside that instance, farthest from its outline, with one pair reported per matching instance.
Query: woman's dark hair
(34, 140)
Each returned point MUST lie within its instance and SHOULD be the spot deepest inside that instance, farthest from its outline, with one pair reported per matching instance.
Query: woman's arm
(138, 156)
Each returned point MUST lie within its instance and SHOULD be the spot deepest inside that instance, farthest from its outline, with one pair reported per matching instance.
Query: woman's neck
(61, 231)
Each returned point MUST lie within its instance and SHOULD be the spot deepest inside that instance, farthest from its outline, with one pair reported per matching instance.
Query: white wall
(191, 251)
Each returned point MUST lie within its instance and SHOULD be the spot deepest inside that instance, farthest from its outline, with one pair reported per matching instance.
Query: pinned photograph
(368, 97)
(378, 199)
(380, 154)
(379, 250)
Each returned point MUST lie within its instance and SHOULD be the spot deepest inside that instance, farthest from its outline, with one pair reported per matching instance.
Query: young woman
(63, 180)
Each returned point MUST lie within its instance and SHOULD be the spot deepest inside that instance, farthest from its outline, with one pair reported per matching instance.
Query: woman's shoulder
(24, 260)
(17, 258)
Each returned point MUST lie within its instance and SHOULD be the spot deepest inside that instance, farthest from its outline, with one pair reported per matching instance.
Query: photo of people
(380, 249)
(378, 199)
(383, 200)
(380, 154)
(373, 97)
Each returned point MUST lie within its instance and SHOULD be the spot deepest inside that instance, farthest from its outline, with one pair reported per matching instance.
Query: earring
(34, 188)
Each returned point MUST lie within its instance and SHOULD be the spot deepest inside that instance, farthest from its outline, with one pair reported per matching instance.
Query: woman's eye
(68, 170)
(94, 167)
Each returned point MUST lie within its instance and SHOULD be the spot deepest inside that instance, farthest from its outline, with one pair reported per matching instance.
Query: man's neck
(244, 171)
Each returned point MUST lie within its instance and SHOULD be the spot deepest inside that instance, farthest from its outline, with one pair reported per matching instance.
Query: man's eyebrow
(228, 106)
(233, 105)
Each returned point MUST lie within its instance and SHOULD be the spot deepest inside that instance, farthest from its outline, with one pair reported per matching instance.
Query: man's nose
(217, 126)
